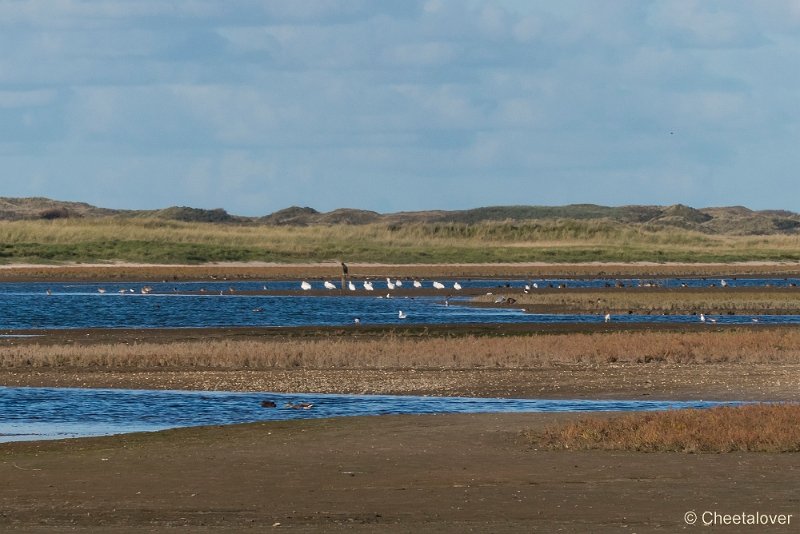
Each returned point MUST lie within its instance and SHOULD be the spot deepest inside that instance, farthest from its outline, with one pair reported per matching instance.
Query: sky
(394, 105)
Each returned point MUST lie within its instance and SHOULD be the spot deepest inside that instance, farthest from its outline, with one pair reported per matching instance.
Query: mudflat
(453, 473)
(442, 473)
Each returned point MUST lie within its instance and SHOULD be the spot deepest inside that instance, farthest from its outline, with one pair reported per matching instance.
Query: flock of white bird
(368, 285)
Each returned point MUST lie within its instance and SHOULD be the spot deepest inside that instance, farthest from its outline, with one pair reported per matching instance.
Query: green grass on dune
(172, 242)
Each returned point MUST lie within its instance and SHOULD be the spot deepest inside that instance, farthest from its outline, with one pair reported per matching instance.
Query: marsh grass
(397, 352)
(158, 240)
(751, 428)
(678, 300)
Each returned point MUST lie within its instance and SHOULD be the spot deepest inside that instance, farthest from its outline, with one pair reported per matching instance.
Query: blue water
(55, 413)
(177, 305)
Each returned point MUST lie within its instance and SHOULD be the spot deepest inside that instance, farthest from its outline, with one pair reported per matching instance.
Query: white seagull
(305, 286)
(368, 286)
(607, 318)
(457, 286)
(398, 283)
(402, 315)
(417, 283)
(389, 284)
(438, 285)
(702, 318)
(351, 286)
(329, 285)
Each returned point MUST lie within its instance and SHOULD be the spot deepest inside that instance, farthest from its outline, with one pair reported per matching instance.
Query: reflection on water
(54, 413)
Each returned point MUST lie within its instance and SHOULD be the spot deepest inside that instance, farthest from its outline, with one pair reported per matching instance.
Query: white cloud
(275, 99)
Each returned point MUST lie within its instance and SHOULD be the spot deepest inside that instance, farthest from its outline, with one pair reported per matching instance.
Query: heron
(329, 285)
(457, 286)
(305, 286)
(368, 286)
(402, 315)
(351, 286)
(438, 285)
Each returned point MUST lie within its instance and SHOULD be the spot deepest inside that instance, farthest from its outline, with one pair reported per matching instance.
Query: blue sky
(394, 105)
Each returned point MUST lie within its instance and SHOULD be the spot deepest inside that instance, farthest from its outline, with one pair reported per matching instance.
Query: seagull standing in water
(305, 286)
(368, 286)
(402, 315)
(389, 284)
(417, 284)
(329, 285)
(607, 318)
(351, 286)
(438, 285)
(457, 286)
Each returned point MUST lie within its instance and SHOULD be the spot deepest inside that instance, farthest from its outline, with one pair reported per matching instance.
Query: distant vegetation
(46, 231)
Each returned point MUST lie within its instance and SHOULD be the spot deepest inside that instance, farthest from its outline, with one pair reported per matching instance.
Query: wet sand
(455, 473)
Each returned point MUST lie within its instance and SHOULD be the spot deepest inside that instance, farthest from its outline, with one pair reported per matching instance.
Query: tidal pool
(55, 413)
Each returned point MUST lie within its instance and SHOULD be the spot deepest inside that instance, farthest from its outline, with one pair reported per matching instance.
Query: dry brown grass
(760, 428)
(398, 352)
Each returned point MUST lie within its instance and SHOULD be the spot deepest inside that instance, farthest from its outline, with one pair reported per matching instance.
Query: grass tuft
(748, 428)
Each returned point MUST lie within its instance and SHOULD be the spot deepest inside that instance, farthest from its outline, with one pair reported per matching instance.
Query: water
(174, 305)
(55, 413)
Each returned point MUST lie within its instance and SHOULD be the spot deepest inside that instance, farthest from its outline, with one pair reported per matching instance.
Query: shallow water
(55, 413)
(29, 306)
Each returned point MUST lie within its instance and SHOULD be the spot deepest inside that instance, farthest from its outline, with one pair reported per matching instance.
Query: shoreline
(131, 272)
